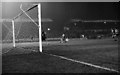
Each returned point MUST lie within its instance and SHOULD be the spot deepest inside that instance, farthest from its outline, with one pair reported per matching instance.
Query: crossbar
(25, 11)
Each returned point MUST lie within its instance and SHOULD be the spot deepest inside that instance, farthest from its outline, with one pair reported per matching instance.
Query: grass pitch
(102, 52)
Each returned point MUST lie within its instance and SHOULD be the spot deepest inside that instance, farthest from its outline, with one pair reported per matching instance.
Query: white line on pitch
(85, 63)
(5, 52)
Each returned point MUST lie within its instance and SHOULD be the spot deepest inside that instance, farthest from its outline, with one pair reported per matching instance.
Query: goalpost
(39, 23)
(13, 28)
(39, 18)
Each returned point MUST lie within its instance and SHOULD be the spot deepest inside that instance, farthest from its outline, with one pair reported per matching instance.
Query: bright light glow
(48, 29)
(104, 22)
(75, 24)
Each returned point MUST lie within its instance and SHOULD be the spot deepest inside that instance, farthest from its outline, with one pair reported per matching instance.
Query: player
(115, 34)
(32, 38)
(64, 39)
(43, 36)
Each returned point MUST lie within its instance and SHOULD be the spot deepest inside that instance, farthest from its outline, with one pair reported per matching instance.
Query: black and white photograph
(60, 37)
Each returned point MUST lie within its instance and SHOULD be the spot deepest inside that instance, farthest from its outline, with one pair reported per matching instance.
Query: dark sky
(81, 10)
(67, 10)
(62, 12)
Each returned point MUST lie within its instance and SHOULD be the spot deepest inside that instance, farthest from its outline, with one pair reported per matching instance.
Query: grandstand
(91, 28)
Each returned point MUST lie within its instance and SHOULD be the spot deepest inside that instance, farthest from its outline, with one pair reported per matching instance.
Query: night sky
(81, 10)
(62, 12)
(67, 10)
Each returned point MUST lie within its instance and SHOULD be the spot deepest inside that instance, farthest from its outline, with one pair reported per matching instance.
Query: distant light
(75, 24)
(48, 29)
(104, 22)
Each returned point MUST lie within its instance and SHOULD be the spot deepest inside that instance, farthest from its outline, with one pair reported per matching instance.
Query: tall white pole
(13, 28)
(39, 19)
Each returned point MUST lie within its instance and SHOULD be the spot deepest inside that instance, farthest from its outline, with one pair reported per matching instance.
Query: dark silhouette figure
(43, 36)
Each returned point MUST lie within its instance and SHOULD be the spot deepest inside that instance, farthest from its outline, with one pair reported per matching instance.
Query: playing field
(75, 56)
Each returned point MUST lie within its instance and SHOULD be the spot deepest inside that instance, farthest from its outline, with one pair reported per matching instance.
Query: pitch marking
(85, 63)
